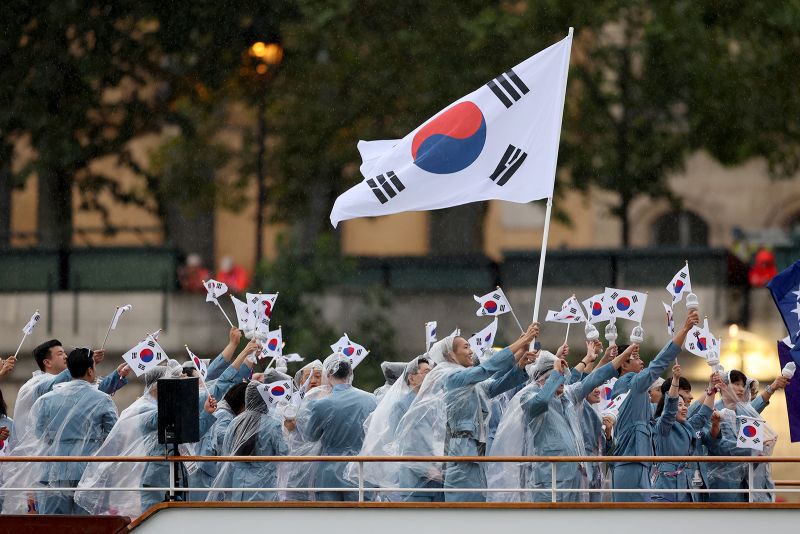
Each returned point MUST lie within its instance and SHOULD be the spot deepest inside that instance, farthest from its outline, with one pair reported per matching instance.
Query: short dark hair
(79, 362)
(42, 352)
(342, 369)
(235, 397)
(683, 385)
(738, 376)
(3, 406)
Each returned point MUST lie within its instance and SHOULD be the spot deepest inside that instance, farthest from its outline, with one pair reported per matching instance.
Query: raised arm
(537, 403)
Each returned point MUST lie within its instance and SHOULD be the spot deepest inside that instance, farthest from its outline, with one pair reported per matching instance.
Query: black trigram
(383, 185)
(509, 163)
(683, 274)
(634, 299)
(496, 296)
(508, 87)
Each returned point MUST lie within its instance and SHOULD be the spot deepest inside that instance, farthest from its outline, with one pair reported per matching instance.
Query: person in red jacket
(235, 277)
(763, 269)
(192, 274)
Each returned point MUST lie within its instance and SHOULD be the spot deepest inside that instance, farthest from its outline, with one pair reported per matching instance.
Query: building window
(680, 229)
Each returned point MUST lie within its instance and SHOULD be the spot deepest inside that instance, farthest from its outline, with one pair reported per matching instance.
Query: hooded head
(253, 401)
(172, 369)
(392, 371)
(544, 364)
(337, 368)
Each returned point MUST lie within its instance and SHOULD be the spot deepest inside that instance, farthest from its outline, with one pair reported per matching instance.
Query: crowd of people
(515, 402)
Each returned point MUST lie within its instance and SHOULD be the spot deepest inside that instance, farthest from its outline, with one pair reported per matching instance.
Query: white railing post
(171, 480)
(553, 482)
(360, 481)
(750, 482)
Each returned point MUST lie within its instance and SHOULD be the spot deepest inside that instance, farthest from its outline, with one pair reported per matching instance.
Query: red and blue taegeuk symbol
(146, 355)
(348, 350)
(749, 431)
(272, 344)
(267, 308)
(490, 306)
(702, 343)
(488, 338)
(451, 141)
(597, 308)
(623, 303)
(677, 287)
(277, 391)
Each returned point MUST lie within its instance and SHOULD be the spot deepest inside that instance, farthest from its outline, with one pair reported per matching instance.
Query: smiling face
(461, 353)
(415, 380)
(594, 396)
(738, 389)
(683, 410)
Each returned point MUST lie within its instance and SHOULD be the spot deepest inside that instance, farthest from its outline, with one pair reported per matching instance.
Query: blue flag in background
(785, 289)
(792, 392)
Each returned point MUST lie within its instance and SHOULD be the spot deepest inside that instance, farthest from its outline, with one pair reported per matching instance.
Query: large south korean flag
(498, 142)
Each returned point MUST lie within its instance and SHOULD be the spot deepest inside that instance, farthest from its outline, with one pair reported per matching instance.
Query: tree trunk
(55, 210)
(457, 230)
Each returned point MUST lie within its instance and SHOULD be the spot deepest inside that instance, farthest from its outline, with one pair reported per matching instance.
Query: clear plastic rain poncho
(380, 437)
(735, 475)
(334, 416)
(254, 432)
(300, 474)
(552, 432)
(71, 420)
(23, 405)
(135, 434)
(391, 372)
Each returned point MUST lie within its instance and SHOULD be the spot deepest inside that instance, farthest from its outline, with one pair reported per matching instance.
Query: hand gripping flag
(624, 304)
(215, 290)
(751, 433)
(244, 319)
(498, 142)
(570, 313)
(28, 328)
(482, 341)
(145, 355)
(273, 346)
(785, 290)
(274, 393)
(595, 311)
(118, 313)
(260, 306)
(680, 285)
(430, 334)
(353, 351)
(670, 320)
(494, 303)
(202, 370)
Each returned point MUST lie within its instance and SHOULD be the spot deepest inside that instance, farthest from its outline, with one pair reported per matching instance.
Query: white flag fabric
(260, 306)
(243, 317)
(494, 303)
(482, 341)
(605, 393)
(28, 328)
(118, 313)
(351, 350)
(751, 433)
(153, 335)
(595, 311)
(680, 284)
(570, 313)
(700, 340)
(145, 355)
(430, 334)
(612, 408)
(625, 304)
(274, 393)
(198, 364)
(5, 448)
(273, 345)
(214, 290)
(498, 142)
(293, 357)
(670, 319)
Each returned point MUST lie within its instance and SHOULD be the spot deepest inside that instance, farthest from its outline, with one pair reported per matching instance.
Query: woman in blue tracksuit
(676, 434)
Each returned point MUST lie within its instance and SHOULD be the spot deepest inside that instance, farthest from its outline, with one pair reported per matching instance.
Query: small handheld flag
(430, 334)
(214, 291)
(200, 365)
(595, 311)
(482, 341)
(145, 355)
(570, 313)
(751, 433)
(243, 317)
(680, 284)
(700, 340)
(114, 320)
(625, 304)
(351, 350)
(494, 303)
(670, 320)
(27, 329)
(273, 346)
(260, 306)
(274, 393)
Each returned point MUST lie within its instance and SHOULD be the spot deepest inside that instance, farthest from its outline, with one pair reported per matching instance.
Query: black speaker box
(178, 411)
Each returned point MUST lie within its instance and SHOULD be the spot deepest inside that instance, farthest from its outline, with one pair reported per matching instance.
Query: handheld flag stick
(109, 329)
(223, 313)
(567, 336)
(514, 315)
(20, 345)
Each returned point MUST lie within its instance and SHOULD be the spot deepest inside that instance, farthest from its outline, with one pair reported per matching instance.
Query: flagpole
(109, 329)
(567, 336)
(546, 231)
(223, 312)
(514, 315)
(24, 335)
